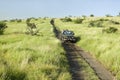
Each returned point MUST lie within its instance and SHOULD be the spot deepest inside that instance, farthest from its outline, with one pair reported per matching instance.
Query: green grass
(103, 46)
(26, 57)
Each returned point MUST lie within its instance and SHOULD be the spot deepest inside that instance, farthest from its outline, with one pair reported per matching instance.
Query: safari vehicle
(67, 36)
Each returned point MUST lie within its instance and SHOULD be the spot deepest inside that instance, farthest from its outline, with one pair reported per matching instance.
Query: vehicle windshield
(68, 33)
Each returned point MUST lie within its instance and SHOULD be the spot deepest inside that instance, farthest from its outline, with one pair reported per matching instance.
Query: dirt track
(73, 52)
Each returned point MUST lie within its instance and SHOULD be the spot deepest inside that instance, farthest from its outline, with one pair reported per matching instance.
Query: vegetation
(12, 20)
(3, 26)
(66, 19)
(108, 15)
(19, 20)
(92, 15)
(110, 30)
(96, 23)
(16, 20)
(78, 20)
(32, 29)
(26, 57)
(104, 47)
(28, 20)
(114, 22)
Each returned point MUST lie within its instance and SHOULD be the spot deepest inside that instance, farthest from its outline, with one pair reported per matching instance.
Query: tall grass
(103, 46)
(26, 57)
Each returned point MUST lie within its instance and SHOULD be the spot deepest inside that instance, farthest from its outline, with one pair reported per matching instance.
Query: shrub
(91, 24)
(95, 24)
(16, 20)
(36, 19)
(103, 19)
(91, 15)
(66, 19)
(114, 22)
(78, 21)
(2, 27)
(110, 30)
(19, 20)
(12, 20)
(28, 20)
(32, 29)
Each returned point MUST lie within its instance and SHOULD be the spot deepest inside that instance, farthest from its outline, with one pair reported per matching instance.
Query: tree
(91, 15)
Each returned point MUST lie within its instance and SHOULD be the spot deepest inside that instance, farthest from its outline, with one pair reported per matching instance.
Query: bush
(2, 27)
(114, 22)
(103, 19)
(66, 19)
(91, 24)
(78, 21)
(36, 19)
(16, 20)
(19, 20)
(28, 20)
(13, 20)
(110, 30)
(95, 24)
(91, 15)
(32, 29)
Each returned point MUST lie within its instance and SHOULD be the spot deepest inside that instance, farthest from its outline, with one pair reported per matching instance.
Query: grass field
(38, 57)
(26, 57)
(103, 46)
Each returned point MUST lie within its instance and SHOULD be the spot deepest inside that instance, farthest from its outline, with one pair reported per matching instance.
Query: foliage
(32, 29)
(28, 20)
(104, 47)
(110, 30)
(18, 20)
(78, 20)
(108, 15)
(2, 27)
(36, 19)
(92, 15)
(95, 24)
(114, 22)
(100, 22)
(66, 19)
(25, 57)
(102, 19)
(12, 20)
